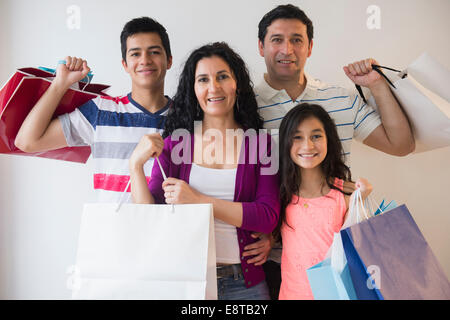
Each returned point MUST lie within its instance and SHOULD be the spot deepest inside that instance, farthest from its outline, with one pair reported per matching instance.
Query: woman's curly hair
(185, 108)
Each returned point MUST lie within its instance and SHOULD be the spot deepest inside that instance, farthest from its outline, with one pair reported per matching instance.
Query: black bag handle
(378, 68)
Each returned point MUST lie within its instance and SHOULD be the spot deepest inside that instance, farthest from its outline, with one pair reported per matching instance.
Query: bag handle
(129, 183)
(378, 68)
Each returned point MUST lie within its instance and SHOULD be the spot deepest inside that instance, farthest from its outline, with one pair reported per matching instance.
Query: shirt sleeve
(367, 118)
(79, 125)
(262, 214)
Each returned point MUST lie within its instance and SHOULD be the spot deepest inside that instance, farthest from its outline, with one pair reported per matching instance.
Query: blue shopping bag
(328, 283)
(389, 258)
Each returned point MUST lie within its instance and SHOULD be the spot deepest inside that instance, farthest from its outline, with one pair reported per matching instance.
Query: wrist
(379, 86)
(58, 87)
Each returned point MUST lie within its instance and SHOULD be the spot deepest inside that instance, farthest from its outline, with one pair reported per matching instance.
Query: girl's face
(215, 87)
(309, 144)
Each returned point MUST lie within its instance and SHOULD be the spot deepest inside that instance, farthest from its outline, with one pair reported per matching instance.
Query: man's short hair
(144, 24)
(287, 11)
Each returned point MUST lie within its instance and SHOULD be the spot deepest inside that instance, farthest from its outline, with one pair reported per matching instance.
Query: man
(285, 42)
(111, 126)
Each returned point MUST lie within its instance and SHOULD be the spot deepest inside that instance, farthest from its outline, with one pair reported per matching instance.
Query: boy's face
(146, 60)
(285, 49)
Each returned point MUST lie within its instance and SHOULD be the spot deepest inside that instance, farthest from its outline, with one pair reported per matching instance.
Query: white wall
(41, 199)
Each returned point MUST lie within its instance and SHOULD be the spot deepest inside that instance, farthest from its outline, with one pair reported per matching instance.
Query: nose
(214, 85)
(308, 144)
(286, 48)
(145, 59)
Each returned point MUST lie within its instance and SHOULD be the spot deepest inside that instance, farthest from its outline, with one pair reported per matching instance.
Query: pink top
(313, 223)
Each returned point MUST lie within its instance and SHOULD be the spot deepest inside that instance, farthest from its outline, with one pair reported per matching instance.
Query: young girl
(314, 194)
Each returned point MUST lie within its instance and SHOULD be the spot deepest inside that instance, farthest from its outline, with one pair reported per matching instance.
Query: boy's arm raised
(38, 132)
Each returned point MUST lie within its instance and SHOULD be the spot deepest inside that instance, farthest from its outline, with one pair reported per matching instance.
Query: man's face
(285, 49)
(146, 60)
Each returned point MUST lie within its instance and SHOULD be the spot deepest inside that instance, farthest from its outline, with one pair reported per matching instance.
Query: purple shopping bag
(389, 258)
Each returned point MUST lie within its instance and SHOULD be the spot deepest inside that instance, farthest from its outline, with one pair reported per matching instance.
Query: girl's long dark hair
(333, 166)
(185, 108)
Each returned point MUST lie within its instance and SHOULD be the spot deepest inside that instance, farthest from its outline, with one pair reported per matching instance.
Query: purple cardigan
(257, 192)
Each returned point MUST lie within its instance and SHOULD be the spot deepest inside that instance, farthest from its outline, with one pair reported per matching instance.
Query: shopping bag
(20, 94)
(330, 279)
(389, 258)
(423, 92)
(145, 252)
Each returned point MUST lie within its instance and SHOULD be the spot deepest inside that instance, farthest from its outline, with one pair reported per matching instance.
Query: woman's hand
(150, 146)
(177, 191)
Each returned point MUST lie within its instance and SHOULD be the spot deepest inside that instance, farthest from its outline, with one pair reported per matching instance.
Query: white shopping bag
(146, 252)
(423, 90)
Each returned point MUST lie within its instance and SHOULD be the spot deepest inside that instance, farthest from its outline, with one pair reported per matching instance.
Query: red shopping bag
(20, 94)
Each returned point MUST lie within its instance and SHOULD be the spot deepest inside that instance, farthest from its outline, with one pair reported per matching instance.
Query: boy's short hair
(287, 11)
(144, 24)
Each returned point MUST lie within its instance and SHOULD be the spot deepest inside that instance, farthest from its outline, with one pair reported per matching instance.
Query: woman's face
(215, 87)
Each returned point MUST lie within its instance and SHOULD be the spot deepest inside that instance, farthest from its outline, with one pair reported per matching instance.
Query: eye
(316, 137)
(155, 52)
(134, 54)
(222, 76)
(297, 137)
(297, 40)
(202, 79)
(276, 40)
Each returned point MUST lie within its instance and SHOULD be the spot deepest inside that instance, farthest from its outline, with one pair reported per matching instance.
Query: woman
(215, 95)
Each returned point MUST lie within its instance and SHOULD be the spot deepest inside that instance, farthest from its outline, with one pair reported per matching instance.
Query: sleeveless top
(307, 238)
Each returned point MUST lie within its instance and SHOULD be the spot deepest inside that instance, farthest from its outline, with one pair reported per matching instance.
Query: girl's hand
(177, 191)
(364, 186)
(150, 146)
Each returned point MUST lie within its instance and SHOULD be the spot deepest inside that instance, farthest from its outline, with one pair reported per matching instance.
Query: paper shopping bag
(330, 279)
(389, 258)
(20, 94)
(146, 252)
(423, 92)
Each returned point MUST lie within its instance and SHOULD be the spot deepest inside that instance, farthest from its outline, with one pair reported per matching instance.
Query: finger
(254, 245)
(167, 183)
(352, 69)
(78, 65)
(86, 69)
(253, 252)
(261, 262)
(73, 64)
(68, 61)
(256, 235)
(258, 259)
(358, 68)
(364, 67)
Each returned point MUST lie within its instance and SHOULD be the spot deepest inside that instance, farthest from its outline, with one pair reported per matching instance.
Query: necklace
(305, 199)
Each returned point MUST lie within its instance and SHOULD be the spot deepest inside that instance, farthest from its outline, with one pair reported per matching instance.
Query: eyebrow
(204, 74)
(281, 35)
(315, 130)
(149, 48)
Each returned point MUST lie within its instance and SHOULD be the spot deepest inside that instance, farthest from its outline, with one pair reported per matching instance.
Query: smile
(308, 155)
(285, 61)
(216, 99)
(146, 71)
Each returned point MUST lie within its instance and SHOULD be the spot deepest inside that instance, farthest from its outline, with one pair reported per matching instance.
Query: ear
(169, 62)
(310, 48)
(261, 48)
(125, 66)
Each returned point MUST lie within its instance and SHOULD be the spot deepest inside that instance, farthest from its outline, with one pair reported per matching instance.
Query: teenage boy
(111, 126)
(286, 41)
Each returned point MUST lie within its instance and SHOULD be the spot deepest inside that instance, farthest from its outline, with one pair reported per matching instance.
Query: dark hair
(287, 11)
(332, 166)
(144, 24)
(185, 108)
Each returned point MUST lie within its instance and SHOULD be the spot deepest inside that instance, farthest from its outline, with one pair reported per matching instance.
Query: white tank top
(220, 184)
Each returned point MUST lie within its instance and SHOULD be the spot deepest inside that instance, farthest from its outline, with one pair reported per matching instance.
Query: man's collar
(268, 93)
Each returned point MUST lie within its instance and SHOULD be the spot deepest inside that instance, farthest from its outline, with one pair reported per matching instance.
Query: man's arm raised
(394, 135)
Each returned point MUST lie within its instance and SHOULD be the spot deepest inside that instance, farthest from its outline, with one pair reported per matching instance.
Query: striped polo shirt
(112, 127)
(353, 117)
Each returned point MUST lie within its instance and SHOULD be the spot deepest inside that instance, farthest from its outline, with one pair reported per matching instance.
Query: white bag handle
(129, 182)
